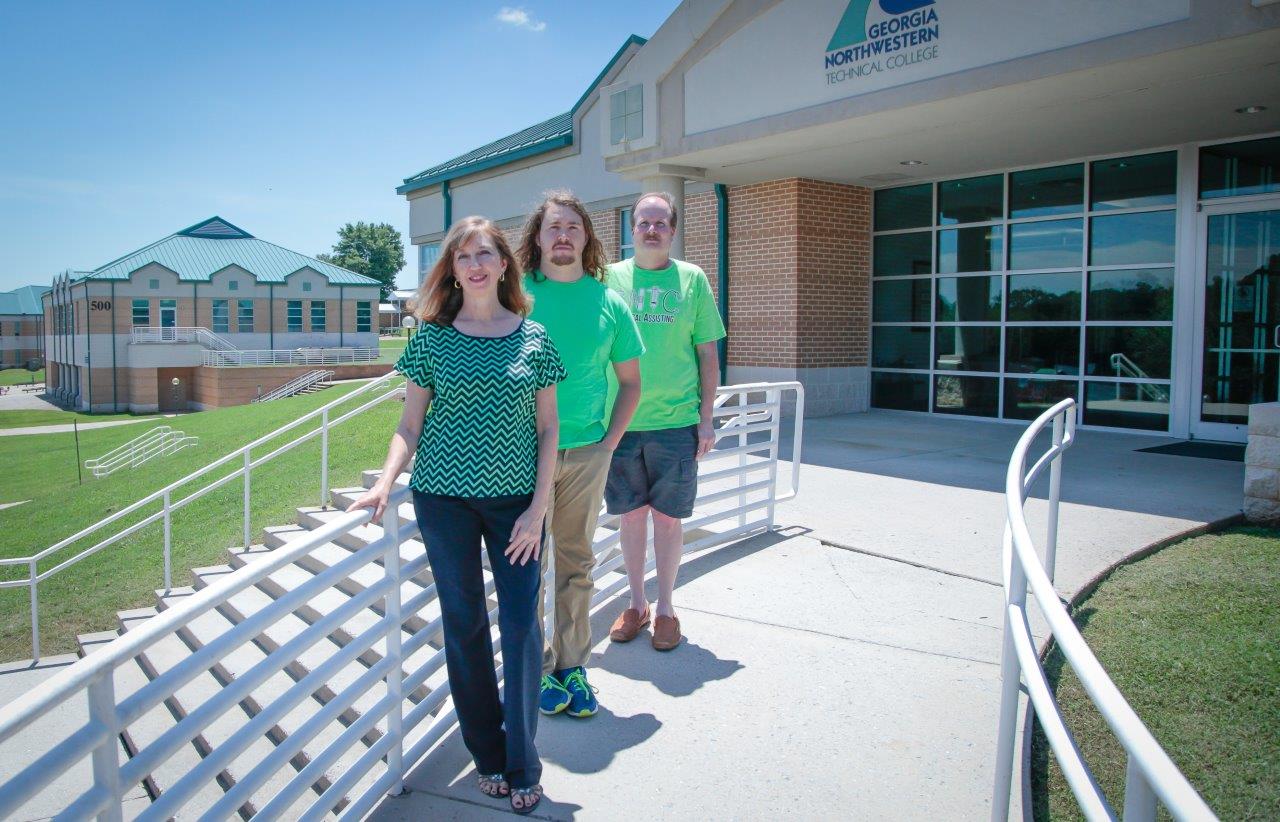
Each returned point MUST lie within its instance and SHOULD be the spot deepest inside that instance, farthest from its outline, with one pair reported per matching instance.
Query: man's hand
(706, 438)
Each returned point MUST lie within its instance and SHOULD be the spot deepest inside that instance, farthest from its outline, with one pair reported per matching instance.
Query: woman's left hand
(526, 536)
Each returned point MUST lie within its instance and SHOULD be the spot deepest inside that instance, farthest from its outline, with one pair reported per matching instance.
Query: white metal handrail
(413, 722)
(127, 447)
(381, 388)
(297, 384)
(159, 442)
(1151, 773)
(181, 334)
(1125, 367)
(295, 356)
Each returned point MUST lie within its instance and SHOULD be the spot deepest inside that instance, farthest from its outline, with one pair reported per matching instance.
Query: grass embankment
(1189, 635)
(85, 596)
(390, 349)
(20, 376)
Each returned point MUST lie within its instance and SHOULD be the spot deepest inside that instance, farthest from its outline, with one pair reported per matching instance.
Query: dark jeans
(452, 528)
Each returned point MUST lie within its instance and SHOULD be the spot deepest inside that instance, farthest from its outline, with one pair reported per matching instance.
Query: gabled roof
(196, 253)
(537, 139)
(24, 300)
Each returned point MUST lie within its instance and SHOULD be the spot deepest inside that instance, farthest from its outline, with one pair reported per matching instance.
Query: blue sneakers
(553, 697)
(582, 698)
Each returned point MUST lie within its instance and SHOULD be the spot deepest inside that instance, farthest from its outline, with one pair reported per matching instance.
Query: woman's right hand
(375, 498)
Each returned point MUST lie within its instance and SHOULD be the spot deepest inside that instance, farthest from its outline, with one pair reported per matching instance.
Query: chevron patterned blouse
(480, 436)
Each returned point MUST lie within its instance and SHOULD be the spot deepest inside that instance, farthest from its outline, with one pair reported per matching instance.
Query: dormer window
(154, 285)
(306, 286)
(626, 115)
(233, 285)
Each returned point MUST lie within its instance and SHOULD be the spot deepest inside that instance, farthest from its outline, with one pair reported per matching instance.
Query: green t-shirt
(675, 311)
(592, 329)
(480, 437)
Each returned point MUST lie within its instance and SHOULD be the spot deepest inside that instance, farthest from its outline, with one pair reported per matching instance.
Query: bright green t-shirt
(592, 329)
(675, 311)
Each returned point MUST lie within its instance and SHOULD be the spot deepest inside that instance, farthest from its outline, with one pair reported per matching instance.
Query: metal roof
(537, 139)
(198, 252)
(24, 300)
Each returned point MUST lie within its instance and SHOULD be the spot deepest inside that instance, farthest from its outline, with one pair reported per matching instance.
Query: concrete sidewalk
(846, 666)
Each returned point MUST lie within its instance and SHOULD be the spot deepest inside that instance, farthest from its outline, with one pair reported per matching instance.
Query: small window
(427, 256)
(317, 315)
(221, 318)
(626, 115)
(233, 285)
(306, 286)
(244, 316)
(154, 285)
(364, 316)
(141, 312)
(909, 207)
(294, 315)
(626, 244)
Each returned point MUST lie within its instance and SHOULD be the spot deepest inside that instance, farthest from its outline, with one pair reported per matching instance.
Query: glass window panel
(1047, 244)
(1042, 350)
(975, 396)
(168, 313)
(900, 346)
(617, 129)
(900, 301)
(306, 286)
(909, 207)
(974, 200)
(905, 392)
(1235, 169)
(968, 348)
(970, 249)
(1027, 398)
(1127, 405)
(1131, 294)
(634, 99)
(233, 285)
(635, 126)
(902, 254)
(317, 315)
(618, 104)
(141, 313)
(968, 299)
(1041, 192)
(626, 246)
(364, 316)
(1133, 182)
(1044, 297)
(1126, 239)
(294, 314)
(1128, 351)
(244, 316)
(221, 317)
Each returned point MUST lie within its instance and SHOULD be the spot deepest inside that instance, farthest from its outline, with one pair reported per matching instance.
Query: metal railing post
(168, 544)
(395, 675)
(1055, 493)
(1010, 679)
(247, 464)
(106, 756)
(324, 459)
(741, 419)
(774, 397)
(35, 610)
(1139, 799)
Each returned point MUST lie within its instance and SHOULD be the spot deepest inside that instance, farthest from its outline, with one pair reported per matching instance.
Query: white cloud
(519, 18)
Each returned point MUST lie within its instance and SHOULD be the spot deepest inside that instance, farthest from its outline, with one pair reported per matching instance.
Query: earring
(456, 284)
(502, 277)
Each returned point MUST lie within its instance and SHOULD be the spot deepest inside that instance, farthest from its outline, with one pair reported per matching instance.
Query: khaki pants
(575, 509)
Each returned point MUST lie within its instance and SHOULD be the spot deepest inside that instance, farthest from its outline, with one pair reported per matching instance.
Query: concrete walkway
(65, 429)
(847, 665)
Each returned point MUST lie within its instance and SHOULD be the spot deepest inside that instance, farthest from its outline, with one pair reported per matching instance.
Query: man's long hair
(438, 301)
(593, 256)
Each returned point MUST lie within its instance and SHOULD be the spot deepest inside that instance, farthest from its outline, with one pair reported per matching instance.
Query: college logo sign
(903, 33)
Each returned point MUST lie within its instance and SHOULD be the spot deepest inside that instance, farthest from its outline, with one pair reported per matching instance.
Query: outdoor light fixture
(912, 163)
(1251, 110)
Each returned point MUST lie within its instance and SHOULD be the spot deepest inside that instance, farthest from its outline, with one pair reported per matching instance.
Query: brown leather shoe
(628, 624)
(666, 633)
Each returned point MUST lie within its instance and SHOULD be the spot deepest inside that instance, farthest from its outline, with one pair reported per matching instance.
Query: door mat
(1230, 451)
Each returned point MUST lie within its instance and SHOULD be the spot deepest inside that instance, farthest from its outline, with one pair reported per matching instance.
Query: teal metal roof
(24, 300)
(198, 252)
(537, 139)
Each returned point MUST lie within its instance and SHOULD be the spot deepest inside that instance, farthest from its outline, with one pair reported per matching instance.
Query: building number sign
(100, 305)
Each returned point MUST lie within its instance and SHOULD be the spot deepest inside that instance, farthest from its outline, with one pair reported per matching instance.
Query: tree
(374, 250)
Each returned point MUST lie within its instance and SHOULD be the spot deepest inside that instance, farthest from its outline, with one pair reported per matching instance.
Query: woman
(485, 458)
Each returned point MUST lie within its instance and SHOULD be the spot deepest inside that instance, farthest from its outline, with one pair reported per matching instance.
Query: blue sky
(126, 121)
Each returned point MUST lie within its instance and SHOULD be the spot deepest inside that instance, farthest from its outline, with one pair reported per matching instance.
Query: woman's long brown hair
(438, 302)
(593, 256)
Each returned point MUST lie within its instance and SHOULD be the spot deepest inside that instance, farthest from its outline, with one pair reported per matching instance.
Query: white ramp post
(106, 756)
(1139, 799)
(395, 674)
(1055, 493)
(35, 609)
(324, 458)
(1010, 679)
(248, 466)
(168, 545)
(773, 398)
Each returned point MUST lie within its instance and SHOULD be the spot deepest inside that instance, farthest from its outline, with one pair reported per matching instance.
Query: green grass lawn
(86, 596)
(33, 417)
(1189, 635)
(389, 350)
(20, 376)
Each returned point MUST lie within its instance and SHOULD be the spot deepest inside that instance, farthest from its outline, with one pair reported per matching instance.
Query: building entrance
(1238, 327)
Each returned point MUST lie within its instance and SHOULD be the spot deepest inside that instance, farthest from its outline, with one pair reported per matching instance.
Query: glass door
(1239, 327)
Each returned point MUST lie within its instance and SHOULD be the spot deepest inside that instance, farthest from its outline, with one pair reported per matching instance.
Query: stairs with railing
(198, 335)
(308, 383)
(158, 442)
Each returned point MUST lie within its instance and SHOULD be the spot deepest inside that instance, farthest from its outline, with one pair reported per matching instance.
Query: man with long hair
(594, 332)
(654, 471)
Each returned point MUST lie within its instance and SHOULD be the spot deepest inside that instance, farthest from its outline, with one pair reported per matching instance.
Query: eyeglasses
(644, 226)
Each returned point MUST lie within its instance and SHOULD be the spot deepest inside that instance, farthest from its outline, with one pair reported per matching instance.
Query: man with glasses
(654, 472)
